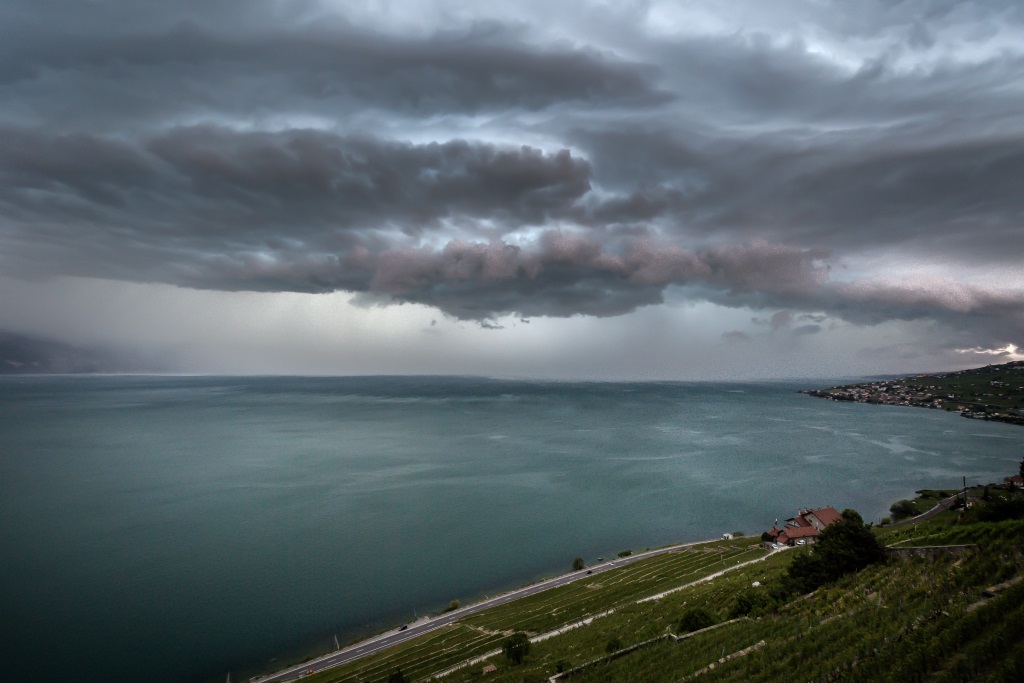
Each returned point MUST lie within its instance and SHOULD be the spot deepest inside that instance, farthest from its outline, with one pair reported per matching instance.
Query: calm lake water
(175, 529)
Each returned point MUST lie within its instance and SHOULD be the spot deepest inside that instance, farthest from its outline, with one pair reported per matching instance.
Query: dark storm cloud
(212, 188)
(282, 146)
(174, 67)
(924, 164)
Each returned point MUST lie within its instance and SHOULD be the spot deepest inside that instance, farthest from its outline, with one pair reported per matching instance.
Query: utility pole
(336, 646)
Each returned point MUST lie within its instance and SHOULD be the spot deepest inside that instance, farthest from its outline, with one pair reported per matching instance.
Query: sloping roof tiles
(826, 515)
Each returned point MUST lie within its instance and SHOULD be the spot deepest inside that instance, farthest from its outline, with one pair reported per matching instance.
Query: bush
(453, 605)
(751, 600)
(562, 665)
(516, 647)
(902, 509)
(843, 547)
(625, 553)
(614, 645)
(396, 677)
(578, 564)
(694, 619)
(1001, 509)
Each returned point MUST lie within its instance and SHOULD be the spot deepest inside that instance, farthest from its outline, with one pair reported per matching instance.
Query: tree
(843, 547)
(453, 605)
(397, 677)
(751, 600)
(578, 564)
(1000, 509)
(1022, 468)
(516, 647)
(614, 645)
(694, 619)
(902, 509)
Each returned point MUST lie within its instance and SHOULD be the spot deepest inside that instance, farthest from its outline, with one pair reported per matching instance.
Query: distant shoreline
(994, 392)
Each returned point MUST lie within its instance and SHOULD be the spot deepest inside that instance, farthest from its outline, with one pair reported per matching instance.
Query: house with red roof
(804, 527)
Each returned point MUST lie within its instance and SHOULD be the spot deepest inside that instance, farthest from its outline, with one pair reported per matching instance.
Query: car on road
(403, 627)
(589, 572)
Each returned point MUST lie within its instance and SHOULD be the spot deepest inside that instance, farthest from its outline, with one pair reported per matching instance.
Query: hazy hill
(22, 354)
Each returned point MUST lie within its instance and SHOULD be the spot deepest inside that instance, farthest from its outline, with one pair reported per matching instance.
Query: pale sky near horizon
(581, 189)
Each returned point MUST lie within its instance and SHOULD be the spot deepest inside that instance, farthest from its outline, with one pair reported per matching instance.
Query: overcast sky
(581, 188)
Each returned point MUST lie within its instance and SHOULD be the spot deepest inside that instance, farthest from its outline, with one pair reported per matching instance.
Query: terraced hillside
(947, 606)
(539, 615)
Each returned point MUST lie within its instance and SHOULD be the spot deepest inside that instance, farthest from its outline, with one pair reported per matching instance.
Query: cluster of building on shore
(893, 393)
(888, 393)
(802, 529)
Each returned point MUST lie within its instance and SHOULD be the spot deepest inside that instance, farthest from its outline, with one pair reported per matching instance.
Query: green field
(911, 618)
(995, 386)
(547, 611)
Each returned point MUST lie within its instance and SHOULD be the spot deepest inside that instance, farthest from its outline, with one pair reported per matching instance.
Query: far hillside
(994, 392)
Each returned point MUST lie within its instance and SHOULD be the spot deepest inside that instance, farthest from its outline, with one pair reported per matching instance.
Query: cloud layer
(516, 159)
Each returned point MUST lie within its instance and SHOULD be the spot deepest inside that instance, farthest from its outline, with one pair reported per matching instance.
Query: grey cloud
(736, 336)
(881, 299)
(312, 211)
(805, 330)
(762, 82)
(565, 274)
(957, 198)
(208, 193)
(739, 168)
(781, 319)
(179, 68)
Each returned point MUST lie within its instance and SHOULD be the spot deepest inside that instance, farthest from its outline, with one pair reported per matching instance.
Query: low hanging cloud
(313, 211)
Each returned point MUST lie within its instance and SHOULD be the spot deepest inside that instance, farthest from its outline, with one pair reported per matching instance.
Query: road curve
(426, 625)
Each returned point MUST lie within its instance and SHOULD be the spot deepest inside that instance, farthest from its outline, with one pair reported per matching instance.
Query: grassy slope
(485, 631)
(905, 620)
(999, 386)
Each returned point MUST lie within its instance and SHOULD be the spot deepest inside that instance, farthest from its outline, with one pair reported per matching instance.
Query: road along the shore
(391, 638)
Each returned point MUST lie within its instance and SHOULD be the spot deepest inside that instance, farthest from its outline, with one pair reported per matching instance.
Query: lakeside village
(994, 392)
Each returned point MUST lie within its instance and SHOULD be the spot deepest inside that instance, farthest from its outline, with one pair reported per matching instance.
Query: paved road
(426, 625)
(941, 506)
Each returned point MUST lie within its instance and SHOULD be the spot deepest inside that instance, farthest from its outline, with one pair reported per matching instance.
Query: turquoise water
(175, 529)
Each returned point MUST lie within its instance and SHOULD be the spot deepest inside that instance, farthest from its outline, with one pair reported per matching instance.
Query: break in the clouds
(812, 166)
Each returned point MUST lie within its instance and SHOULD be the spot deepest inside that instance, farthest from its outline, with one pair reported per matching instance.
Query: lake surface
(175, 529)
